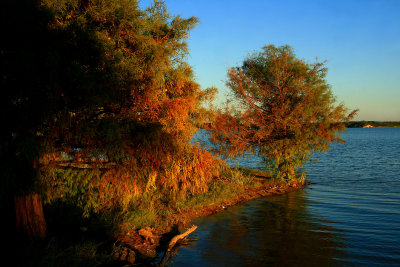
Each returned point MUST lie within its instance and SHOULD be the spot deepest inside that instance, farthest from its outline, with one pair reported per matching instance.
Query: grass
(255, 172)
(83, 242)
(158, 214)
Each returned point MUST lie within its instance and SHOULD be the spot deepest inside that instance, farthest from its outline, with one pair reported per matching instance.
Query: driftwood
(181, 236)
(168, 253)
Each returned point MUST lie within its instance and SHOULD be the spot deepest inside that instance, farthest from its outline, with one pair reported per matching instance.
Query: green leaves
(288, 110)
(105, 93)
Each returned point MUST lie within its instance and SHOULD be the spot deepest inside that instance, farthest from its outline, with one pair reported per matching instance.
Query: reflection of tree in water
(277, 231)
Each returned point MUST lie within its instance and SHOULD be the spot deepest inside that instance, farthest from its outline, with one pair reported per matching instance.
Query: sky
(359, 39)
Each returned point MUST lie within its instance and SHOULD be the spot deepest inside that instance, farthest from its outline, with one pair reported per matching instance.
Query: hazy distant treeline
(360, 124)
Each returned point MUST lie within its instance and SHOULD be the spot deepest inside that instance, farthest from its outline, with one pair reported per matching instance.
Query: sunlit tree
(99, 103)
(285, 110)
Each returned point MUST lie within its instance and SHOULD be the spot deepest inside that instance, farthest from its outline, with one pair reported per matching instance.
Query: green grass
(158, 213)
(255, 172)
(82, 244)
(217, 194)
(234, 183)
(142, 218)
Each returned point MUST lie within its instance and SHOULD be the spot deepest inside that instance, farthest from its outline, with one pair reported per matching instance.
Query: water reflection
(276, 230)
(350, 217)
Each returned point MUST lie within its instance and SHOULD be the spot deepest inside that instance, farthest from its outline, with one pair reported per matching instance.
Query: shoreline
(150, 234)
(251, 193)
(145, 245)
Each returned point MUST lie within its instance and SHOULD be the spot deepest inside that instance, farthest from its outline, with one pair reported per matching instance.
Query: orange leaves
(117, 189)
(189, 174)
(286, 107)
(175, 113)
(133, 136)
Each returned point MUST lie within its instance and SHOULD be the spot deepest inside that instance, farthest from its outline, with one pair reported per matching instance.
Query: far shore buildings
(368, 126)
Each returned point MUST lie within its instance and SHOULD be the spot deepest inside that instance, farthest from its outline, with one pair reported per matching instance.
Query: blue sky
(360, 39)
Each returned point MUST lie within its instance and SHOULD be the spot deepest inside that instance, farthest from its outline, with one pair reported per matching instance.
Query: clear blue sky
(360, 39)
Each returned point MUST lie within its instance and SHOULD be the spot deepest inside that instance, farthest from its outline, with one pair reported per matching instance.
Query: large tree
(98, 102)
(286, 110)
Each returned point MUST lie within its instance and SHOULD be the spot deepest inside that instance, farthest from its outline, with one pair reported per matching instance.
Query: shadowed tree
(98, 103)
(286, 110)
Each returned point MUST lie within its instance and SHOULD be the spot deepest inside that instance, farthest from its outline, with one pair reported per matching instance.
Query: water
(349, 216)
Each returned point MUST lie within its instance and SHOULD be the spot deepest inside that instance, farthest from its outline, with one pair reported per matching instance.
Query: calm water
(349, 216)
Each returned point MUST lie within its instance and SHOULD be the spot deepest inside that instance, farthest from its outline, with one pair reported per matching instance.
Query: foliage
(285, 110)
(104, 104)
(82, 241)
(152, 210)
(118, 188)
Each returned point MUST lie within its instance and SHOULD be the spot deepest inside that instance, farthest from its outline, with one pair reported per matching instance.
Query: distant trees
(361, 124)
(286, 110)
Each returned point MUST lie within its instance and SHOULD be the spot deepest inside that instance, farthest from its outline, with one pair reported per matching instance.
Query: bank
(151, 244)
(143, 236)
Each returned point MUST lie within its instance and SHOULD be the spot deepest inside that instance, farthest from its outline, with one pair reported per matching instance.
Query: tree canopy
(285, 110)
(98, 107)
(98, 102)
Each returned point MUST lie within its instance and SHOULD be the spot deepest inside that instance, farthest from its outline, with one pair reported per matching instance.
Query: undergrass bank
(147, 231)
(141, 234)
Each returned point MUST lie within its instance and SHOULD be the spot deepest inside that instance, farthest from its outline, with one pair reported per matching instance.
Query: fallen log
(181, 236)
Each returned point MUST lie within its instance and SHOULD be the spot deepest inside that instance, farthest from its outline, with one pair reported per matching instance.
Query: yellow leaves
(189, 173)
(116, 188)
(151, 182)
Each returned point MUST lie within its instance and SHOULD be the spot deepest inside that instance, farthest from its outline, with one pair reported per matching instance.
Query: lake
(348, 216)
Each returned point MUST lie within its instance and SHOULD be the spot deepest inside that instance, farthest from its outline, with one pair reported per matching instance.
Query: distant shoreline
(373, 124)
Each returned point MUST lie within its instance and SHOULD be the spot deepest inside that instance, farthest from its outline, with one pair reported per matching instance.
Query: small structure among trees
(284, 110)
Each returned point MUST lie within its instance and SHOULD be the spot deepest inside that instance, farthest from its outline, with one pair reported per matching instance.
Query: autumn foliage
(104, 104)
(99, 107)
(282, 108)
(140, 142)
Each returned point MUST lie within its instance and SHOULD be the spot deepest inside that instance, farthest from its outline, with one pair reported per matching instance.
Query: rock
(124, 254)
(148, 251)
(148, 234)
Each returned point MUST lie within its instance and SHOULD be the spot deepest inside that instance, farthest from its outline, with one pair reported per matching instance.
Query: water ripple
(349, 216)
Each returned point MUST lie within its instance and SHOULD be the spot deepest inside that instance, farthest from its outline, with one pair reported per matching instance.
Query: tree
(97, 96)
(145, 131)
(286, 110)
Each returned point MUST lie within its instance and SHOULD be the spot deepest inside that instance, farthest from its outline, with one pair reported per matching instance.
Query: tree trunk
(29, 216)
